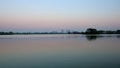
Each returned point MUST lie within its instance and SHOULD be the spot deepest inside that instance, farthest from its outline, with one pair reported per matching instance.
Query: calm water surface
(60, 51)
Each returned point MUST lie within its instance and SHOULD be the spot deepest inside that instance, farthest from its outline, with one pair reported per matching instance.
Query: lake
(60, 51)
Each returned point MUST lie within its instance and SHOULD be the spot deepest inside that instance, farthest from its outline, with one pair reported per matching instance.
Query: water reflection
(60, 51)
(89, 37)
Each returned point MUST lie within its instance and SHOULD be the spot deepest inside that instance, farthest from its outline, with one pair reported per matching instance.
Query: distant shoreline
(88, 31)
(54, 34)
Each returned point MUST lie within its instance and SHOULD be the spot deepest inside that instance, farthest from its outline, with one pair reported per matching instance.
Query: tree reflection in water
(91, 37)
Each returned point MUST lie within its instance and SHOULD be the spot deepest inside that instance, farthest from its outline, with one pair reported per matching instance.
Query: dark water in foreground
(60, 51)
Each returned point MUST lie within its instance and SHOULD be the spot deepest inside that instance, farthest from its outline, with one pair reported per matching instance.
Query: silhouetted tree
(91, 31)
(76, 32)
(118, 31)
(6, 33)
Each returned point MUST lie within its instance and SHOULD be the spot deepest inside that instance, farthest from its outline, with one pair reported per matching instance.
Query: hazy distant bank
(88, 31)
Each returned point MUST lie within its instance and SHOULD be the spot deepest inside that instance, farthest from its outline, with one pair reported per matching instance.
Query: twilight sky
(48, 15)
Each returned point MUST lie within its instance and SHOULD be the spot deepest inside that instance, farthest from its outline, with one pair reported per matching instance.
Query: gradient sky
(48, 15)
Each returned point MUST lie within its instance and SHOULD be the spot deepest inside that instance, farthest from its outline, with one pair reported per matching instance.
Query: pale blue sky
(40, 15)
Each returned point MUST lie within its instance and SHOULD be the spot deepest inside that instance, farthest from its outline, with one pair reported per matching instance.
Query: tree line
(88, 31)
